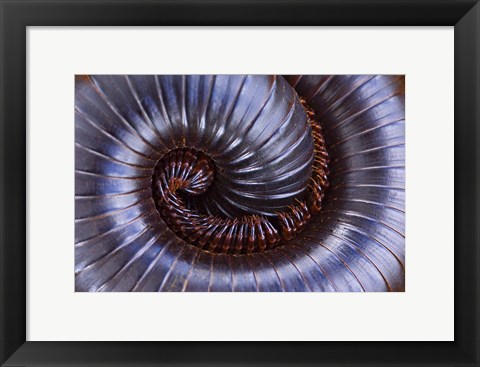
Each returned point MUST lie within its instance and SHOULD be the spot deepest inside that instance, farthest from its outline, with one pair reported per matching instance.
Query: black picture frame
(16, 15)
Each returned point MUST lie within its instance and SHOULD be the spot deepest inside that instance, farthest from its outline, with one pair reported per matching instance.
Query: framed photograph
(272, 183)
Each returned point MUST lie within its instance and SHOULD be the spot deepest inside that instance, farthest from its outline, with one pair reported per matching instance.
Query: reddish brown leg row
(191, 172)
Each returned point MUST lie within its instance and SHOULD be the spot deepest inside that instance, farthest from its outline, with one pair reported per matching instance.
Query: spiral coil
(219, 183)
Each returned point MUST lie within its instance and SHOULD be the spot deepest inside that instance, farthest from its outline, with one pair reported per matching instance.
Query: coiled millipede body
(239, 183)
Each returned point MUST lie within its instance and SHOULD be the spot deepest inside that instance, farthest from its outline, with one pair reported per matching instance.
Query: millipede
(239, 183)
